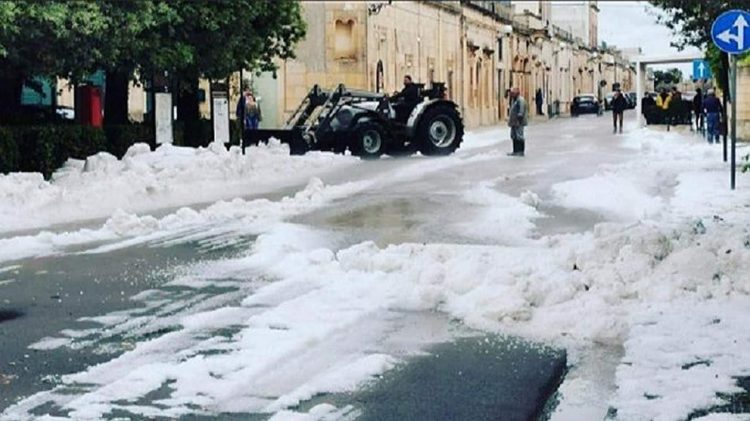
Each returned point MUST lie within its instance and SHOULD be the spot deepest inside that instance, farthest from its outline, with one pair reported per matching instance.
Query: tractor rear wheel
(440, 131)
(368, 140)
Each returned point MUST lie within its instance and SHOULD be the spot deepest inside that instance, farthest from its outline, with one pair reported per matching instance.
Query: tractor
(369, 124)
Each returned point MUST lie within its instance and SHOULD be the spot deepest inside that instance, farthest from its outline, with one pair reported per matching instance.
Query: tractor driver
(405, 101)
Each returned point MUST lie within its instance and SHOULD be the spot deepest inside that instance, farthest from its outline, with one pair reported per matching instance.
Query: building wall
(475, 52)
(574, 17)
(743, 103)
(540, 8)
(440, 41)
(593, 23)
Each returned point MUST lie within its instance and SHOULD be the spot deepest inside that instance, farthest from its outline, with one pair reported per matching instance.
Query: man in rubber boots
(619, 104)
(518, 118)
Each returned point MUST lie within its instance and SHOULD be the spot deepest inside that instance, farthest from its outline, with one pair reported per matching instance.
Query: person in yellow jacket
(663, 100)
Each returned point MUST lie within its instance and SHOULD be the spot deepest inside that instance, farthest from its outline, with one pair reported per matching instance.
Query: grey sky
(632, 24)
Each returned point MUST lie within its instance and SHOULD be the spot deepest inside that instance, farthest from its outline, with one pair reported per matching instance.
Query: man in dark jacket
(675, 109)
(405, 101)
(712, 108)
(648, 105)
(518, 118)
(619, 104)
(539, 99)
(698, 109)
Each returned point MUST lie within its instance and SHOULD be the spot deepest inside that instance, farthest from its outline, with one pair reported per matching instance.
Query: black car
(584, 104)
(632, 100)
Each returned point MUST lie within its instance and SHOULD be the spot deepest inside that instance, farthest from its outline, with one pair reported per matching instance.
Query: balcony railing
(498, 8)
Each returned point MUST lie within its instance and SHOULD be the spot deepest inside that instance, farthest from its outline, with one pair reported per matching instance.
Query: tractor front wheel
(368, 140)
(440, 131)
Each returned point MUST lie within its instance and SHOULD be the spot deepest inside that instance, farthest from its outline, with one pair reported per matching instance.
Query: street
(336, 295)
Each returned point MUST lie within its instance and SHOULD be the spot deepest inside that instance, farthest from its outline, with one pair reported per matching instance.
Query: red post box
(89, 105)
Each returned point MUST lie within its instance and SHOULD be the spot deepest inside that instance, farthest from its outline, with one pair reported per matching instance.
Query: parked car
(608, 101)
(584, 104)
(632, 98)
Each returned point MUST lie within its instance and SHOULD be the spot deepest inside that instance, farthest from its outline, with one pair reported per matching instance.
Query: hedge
(8, 152)
(45, 148)
(121, 137)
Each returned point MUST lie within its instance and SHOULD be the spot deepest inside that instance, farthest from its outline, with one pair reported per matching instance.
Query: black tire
(368, 140)
(440, 130)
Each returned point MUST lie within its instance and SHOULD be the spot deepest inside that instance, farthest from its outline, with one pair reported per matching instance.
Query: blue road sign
(701, 69)
(731, 31)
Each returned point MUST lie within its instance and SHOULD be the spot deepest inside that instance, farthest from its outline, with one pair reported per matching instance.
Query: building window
(431, 69)
(477, 82)
(409, 61)
(487, 82)
(344, 47)
(450, 84)
(379, 77)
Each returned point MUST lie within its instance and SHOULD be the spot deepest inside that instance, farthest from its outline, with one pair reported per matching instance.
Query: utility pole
(733, 96)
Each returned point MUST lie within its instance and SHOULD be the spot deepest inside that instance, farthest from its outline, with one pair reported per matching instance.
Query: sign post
(220, 112)
(162, 109)
(733, 95)
(730, 34)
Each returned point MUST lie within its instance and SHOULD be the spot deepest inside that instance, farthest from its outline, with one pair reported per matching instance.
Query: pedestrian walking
(662, 105)
(712, 107)
(648, 107)
(698, 110)
(518, 118)
(675, 109)
(248, 112)
(539, 98)
(253, 116)
(619, 104)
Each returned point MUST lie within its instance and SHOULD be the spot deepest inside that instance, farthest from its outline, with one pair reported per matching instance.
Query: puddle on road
(389, 220)
(561, 220)
(473, 378)
(11, 314)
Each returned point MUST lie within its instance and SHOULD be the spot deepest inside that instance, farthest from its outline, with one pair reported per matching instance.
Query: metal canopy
(668, 59)
(644, 60)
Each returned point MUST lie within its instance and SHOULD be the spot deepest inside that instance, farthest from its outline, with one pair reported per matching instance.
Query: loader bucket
(293, 137)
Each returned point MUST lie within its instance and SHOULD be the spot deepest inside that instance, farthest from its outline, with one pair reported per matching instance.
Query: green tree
(215, 39)
(45, 39)
(667, 78)
(132, 40)
(691, 20)
(135, 41)
(191, 39)
(8, 28)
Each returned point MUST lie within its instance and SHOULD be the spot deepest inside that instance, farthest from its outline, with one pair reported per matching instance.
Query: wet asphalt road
(50, 294)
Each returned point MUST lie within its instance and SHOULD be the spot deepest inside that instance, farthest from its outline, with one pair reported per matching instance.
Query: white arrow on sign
(727, 36)
(702, 69)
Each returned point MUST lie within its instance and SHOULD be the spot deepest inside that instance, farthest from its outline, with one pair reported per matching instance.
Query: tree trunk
(188, 112)
(188, 106)
(11, 86)
(116, 97)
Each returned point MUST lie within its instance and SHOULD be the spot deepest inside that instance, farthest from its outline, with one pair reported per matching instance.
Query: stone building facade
(478, 48)
(365, 47)
(743, 101)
